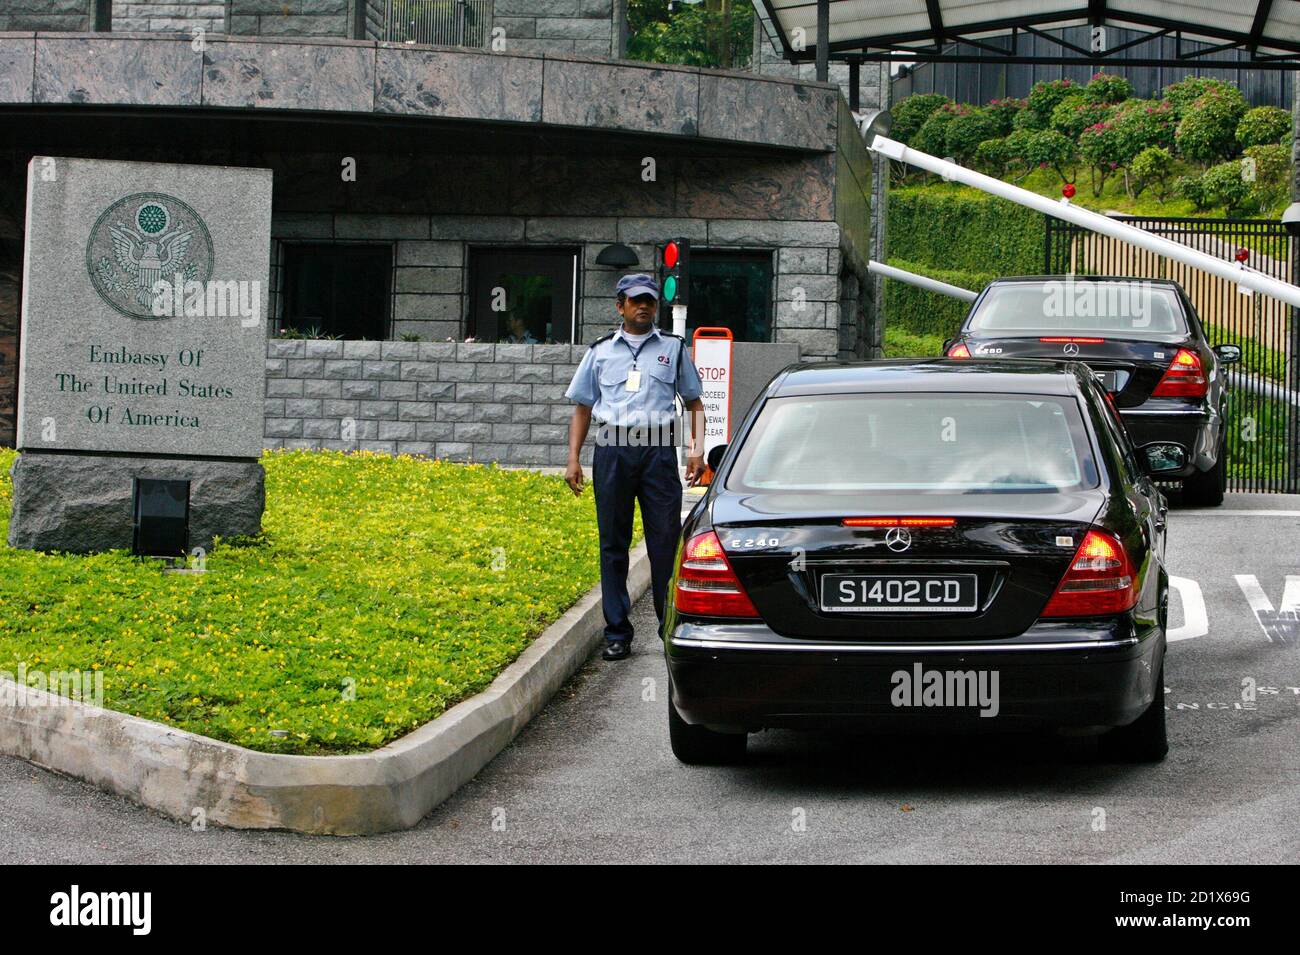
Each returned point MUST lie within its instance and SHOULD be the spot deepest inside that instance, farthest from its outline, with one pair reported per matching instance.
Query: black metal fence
(441, 22)
(1263, 415)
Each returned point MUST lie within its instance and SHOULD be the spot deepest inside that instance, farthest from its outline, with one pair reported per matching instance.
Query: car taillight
(1184, 378)
(1100, 580)
(959, 351)
(706, 584)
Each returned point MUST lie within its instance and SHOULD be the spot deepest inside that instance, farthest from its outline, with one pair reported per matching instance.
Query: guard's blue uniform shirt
(666, 370)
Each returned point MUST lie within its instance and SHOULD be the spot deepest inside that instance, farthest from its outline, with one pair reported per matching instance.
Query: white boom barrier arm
(1095, 221)
(921, 281)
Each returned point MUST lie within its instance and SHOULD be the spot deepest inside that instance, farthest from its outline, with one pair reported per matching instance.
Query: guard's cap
(638, 284)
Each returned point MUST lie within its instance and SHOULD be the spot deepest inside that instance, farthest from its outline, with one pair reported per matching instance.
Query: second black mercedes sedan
(923, 544)
(1143, 339)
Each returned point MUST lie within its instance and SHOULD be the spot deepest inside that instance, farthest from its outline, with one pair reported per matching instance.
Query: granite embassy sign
(142, 315)
(142, 350)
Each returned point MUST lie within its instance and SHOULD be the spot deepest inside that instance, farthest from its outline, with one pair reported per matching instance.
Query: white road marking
(1281, 624)
(1220, 512)
(1195, 621)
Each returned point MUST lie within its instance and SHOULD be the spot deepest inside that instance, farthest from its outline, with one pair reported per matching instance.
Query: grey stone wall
(140, 16)
(430, 282)
(457, 401)
(289, 18)
(61, 15)
(589, 27)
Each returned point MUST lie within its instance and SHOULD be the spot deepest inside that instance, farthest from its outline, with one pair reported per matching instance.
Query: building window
(441, 22)
(103, 16)
(338, 290)
(731, 290)
(525, 296)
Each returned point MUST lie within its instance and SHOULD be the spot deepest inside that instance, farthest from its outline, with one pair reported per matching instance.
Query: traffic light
(675, 271)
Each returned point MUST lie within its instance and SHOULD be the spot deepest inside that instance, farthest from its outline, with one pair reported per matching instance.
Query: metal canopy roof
(1267, 32)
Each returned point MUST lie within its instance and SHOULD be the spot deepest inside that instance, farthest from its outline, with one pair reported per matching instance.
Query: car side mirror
(1228, 354)
(714, 457)
(1163, 458)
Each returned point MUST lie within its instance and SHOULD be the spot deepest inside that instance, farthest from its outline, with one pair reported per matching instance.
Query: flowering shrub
(1225, 185)
(1152, 167)
(991, 156)
(1050, 149)
(1100, 147)
(1263, 126)
(911, 113)
(1142, 124)
(1045, 96)
(1074, 114)
(1005, 111)
(932, 137)
(1107, 88)
(1184, 93)
(967, 131)
(1028, 119)
(1208, 129)
(382, 592)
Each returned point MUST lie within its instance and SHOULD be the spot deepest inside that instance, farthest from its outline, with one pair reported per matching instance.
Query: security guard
(627, 381)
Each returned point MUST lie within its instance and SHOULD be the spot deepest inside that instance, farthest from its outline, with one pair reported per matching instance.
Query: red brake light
(959, 351)
(1184, 378)
(898, 521)
(1100, 580)
(1079, 341)
(706, 584)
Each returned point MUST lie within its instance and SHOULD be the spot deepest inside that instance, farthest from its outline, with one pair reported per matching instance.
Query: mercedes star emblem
(898, 538)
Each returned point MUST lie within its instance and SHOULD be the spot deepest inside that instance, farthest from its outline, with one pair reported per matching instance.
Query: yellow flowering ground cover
(381, 592)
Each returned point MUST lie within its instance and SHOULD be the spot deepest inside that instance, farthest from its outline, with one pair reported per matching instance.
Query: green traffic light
(670, 288)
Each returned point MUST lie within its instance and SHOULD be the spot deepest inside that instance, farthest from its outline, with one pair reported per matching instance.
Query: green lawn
(382, 591)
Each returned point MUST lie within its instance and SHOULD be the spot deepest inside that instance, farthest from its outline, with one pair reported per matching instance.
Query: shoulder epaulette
(603, 338)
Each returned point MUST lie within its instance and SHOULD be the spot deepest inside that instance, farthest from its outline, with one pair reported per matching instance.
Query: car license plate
(911, 593)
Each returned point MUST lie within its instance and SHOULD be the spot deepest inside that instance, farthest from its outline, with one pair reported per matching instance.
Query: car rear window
(1130, 309)
(955, 443)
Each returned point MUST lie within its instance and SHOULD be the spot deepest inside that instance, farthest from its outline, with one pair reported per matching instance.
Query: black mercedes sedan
(1143, 339)
(923, 545)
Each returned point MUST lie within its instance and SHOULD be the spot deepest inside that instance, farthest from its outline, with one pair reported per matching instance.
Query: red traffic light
(670, 255)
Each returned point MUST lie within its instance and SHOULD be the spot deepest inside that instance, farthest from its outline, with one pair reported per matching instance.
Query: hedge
(928, 313)
(944, 226)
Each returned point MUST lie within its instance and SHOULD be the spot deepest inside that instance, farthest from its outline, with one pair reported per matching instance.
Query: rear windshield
(955, 443)
(1126, 309)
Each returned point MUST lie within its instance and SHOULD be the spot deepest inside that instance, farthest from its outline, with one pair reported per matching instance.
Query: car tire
(700, 746)
(1145, 739)
(1206, 488)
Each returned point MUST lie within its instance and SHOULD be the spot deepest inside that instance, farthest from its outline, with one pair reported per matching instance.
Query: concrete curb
(178, 773)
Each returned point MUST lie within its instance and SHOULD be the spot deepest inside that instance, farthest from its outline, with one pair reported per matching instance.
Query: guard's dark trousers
(622, 475)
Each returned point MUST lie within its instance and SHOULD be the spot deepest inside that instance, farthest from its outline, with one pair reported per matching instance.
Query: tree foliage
(713, 33)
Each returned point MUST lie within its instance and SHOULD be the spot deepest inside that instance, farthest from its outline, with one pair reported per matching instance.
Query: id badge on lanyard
(634, 380)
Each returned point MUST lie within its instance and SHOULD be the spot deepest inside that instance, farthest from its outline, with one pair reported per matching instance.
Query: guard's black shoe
(617, 650)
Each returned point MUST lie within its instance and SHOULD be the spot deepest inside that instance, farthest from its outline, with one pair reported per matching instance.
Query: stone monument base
(83, 502)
